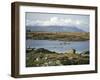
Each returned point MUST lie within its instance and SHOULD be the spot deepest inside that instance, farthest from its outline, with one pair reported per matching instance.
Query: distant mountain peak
(54, 28)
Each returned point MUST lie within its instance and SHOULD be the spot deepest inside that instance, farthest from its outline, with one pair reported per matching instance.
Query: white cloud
(78, 22)
(67, 20)
(55, 21)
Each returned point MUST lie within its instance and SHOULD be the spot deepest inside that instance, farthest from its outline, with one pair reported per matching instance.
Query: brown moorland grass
(66, 36)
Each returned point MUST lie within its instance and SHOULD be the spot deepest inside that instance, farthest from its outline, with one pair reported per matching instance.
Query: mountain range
(54, 29)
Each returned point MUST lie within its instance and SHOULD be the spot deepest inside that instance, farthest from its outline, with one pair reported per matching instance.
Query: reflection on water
(58, 46)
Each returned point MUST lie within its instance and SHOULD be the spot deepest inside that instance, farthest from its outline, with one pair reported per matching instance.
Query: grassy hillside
(64, 36)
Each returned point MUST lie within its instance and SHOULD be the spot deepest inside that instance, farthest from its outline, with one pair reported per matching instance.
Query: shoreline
(44, 57)
(58, 40)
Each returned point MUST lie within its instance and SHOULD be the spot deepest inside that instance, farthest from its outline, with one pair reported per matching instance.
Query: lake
(58, 46)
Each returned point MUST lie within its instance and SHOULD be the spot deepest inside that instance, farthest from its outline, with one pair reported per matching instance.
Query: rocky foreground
(44, 57)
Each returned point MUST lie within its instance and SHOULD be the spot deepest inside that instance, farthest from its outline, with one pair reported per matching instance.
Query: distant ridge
(54, 29)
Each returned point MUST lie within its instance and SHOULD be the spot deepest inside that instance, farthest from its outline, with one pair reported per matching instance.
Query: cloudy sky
(48, 19)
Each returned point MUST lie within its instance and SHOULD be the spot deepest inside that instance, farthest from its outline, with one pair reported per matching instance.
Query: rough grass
(65, 36)
(43, 57)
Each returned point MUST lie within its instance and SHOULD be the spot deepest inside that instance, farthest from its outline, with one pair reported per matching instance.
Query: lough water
(58, 46)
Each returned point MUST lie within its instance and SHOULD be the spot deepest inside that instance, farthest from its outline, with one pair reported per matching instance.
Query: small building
(71, 51)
